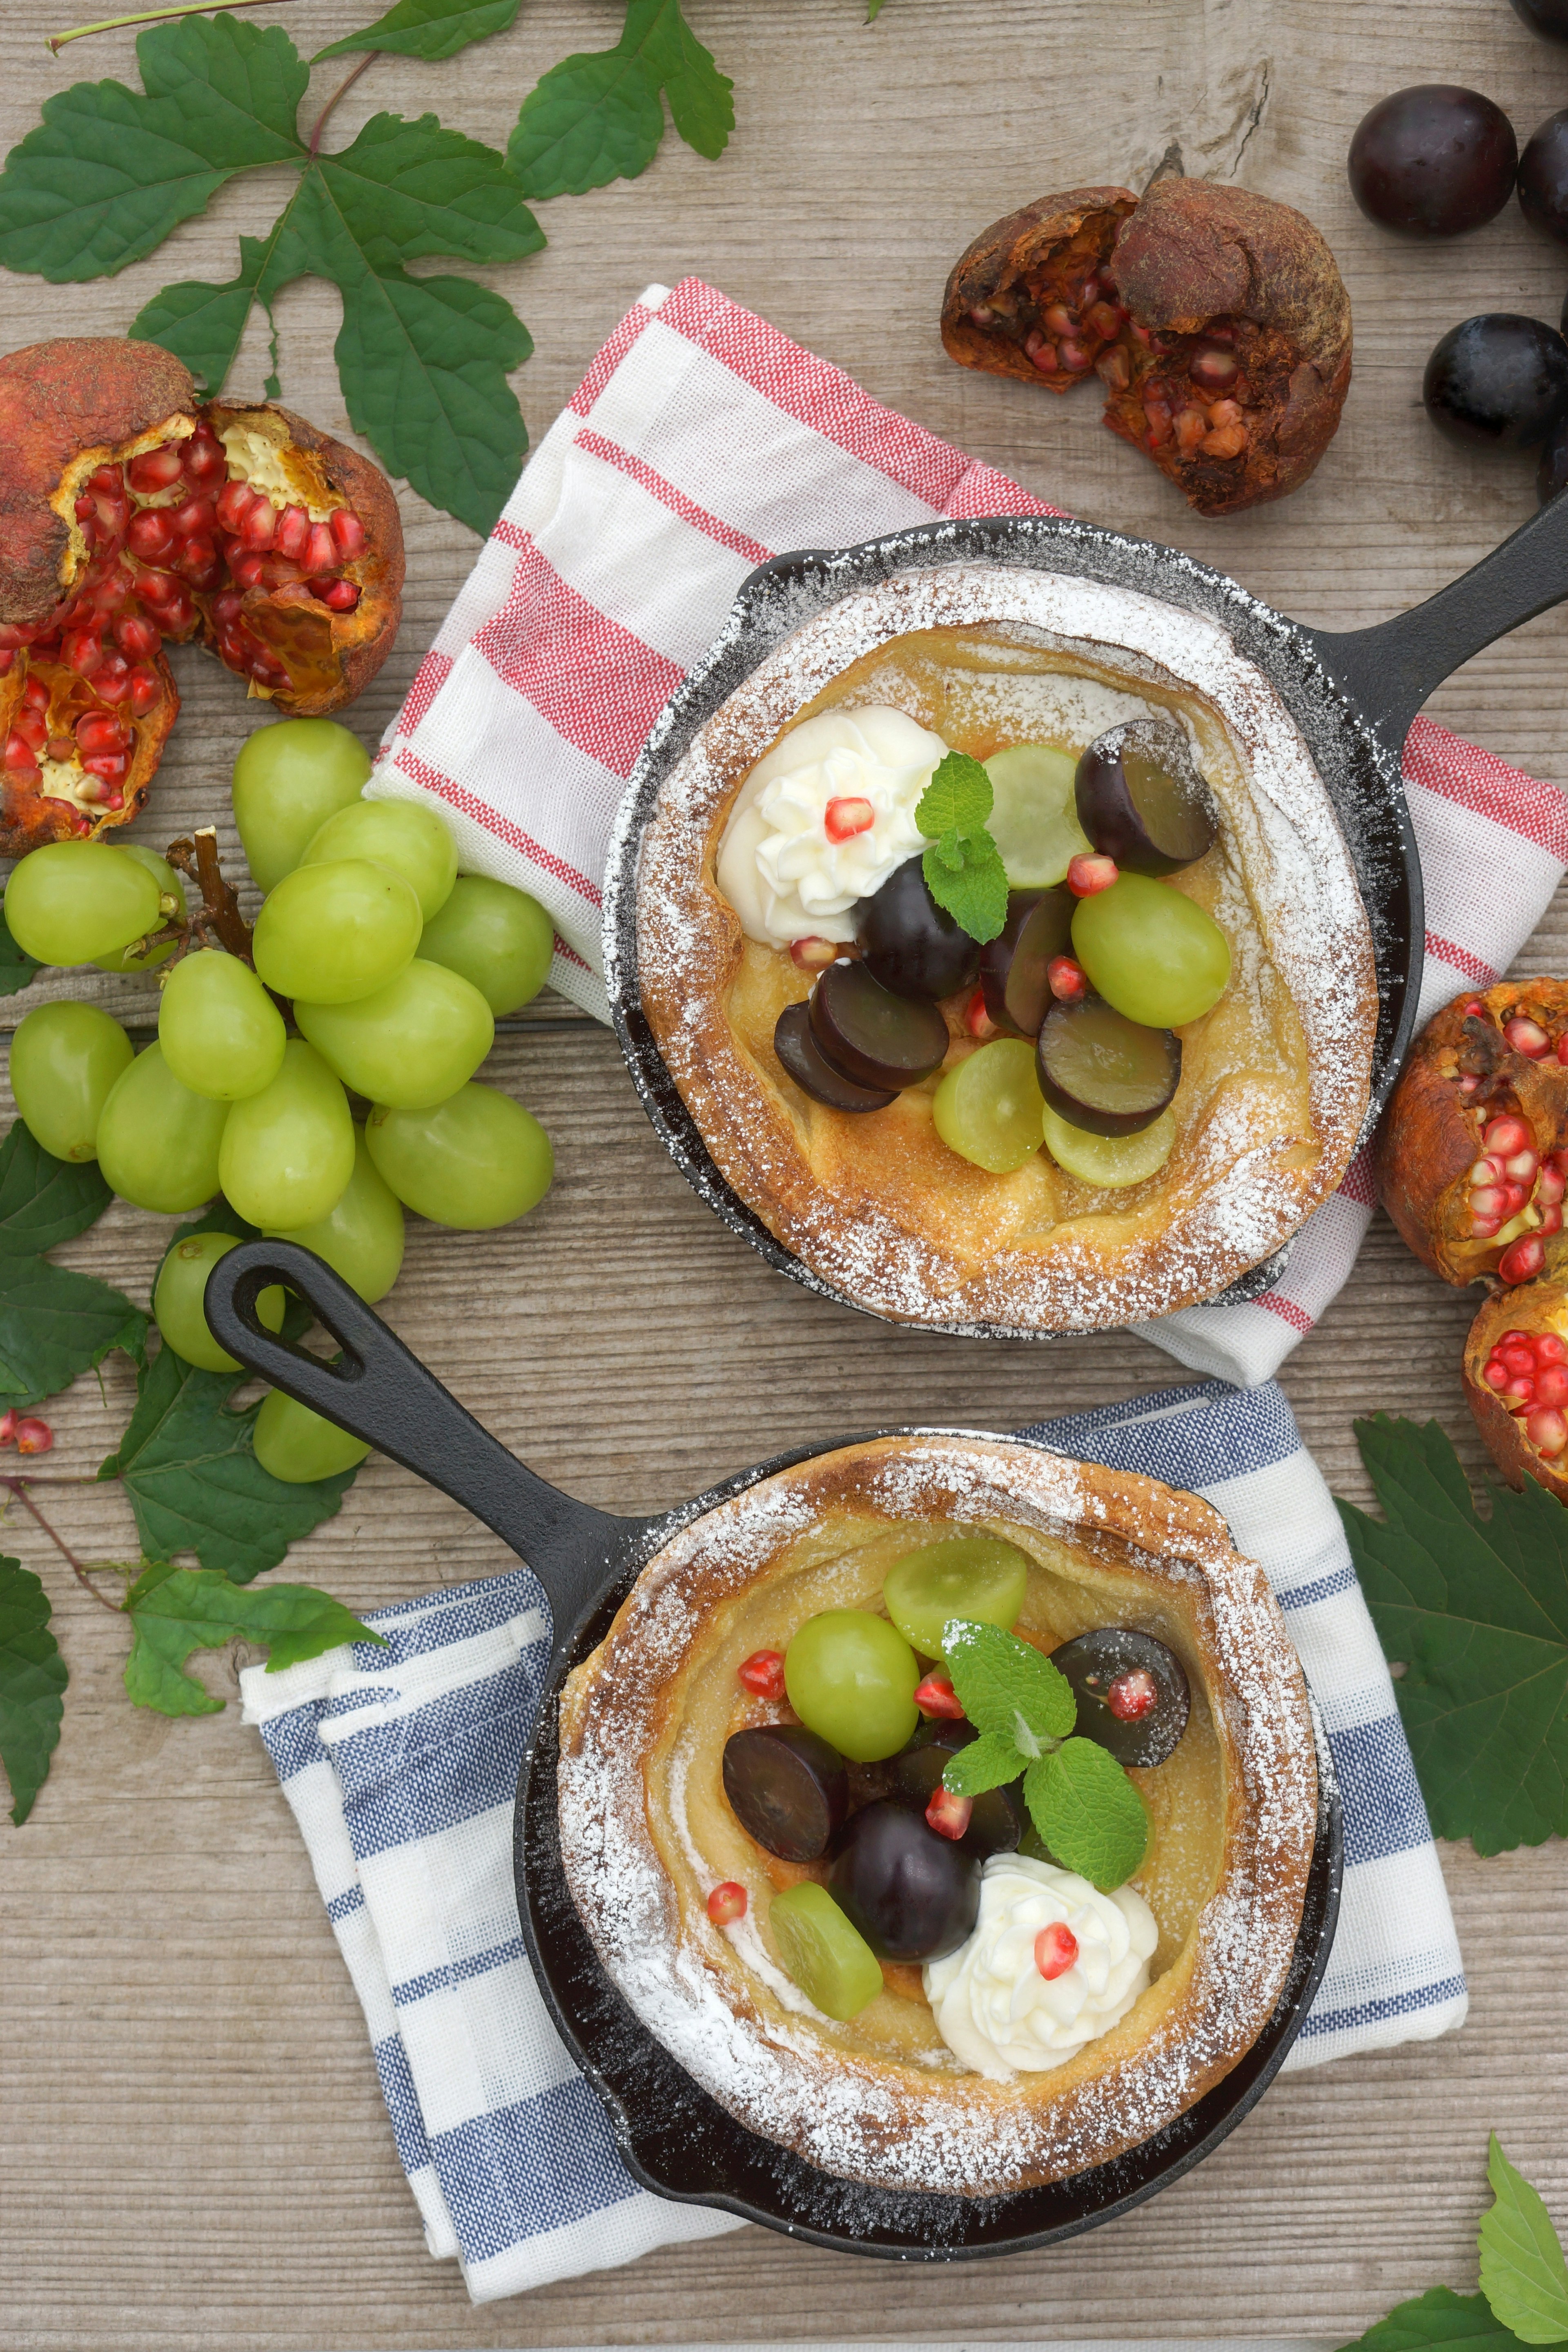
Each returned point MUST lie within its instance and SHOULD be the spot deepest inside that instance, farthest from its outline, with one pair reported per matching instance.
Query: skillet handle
(1390, 670)
(382, 1393)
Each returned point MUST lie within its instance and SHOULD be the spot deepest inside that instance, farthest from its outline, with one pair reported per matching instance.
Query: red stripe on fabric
(608, 357)
(458, 796)
(564, 948)
(600, 687)
(638, 471)
(985, 491)
(1358, 1183)
(1479, 781)
(1287, 1310)
(1445, 951)
(510, 534)
(429, 679)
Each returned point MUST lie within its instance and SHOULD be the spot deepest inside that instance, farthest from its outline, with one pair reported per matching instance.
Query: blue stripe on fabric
(415, 1629)
(290, 1739)
(1192, 1436)
(402, 2103)
(456, 1972)
(343, 1906)
(531, 2167)
(361, 1753)
(428, 1772)
(1321, 1587)
(1383, 1810)
(1372, 2013)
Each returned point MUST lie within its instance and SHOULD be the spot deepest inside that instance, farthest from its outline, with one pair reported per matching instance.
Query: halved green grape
(975, 1577)
(476, 1160)
(988, 1106)
(221, 1032)
(158, 1140)
(171, 909)
(65, 1059)
(1109, 1161)
(831, 1961)
(1034, 819)
(288, 780)
(289, 1152)
(409, 1044)
(501, 939)
(361, 1238)
(177, 1301)
(1152, 952)
(402, 835)
(71, 901)
(296, 1444)
(330, 933)
(851, 1679)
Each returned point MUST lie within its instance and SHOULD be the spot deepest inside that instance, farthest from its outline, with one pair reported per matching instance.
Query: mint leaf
(1524, 2274)
(1435, 2318)
(1479, 1611)
(597, 116)
(987, 1762)
(32, 1685)
(1089, 1812)
(873, 11)
(175, 1610)
(974, 893)
(16, 966)
(1004, 1685)
(427, 28)
(700, 103)
(957, 800)
(44, 1201)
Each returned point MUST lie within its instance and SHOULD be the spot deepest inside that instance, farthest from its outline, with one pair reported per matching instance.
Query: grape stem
(83, 1575)
(219, 913)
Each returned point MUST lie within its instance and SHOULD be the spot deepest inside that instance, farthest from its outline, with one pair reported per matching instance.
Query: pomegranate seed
(135, 636)
(845, 815)
(155, 469)
(1508, 1135)
(1484, 1229)
(341, 596)
(1056, 1950)
(1043, 354)
(1212, 369)
(1551, 1221)
(1522, 1259)
(1074, 358)
(1545, 1428)
(293, 530)
(1067, 980)
(36, 695)
(1113, 368)
(1527, 1036)
(1105, 321)
(949, 1815)
(813, 953)
(111, 683)
(32, 1435)
(348, 532)
(1143, 335)
(12, 638)
(81, 650)
(83, 508)
(233, 503)
(1518, 1355)
(1133, 1694)
(7, 657)
(1468, 1083)
(259, 524)
(228, 608)
(1562, 1047)
(1520, 1167)
(1495, 1374)
(197, 518)
(937, 1696)
(150, 536)
(1089, 873)
(1089, 292)
(178, 610)
(246, 570)
(97, 731)
(198, 559)
(319, 552)
(1487, 1171)
(265, 668)
(727, 1903)
(1192, 426)
(146, 690)
(1158, 417)
(1549, 1348)
(1228, 441)
(977, 1018)
(763, 1671)
(1516, 1339)
(1474, 1010)
(1513, 1199)
(112, 766)
(979, 315)
(1058, 320)
(31, 726)
(232, 645)
(19, 757)
(1224, 412)
(1552, 1386)
(204, 462)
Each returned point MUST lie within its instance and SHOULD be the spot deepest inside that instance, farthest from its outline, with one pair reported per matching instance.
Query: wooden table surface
(193, 2149)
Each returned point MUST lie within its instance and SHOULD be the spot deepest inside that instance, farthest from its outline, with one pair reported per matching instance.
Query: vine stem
(57, 41)
(347, 83)
(19, 1487)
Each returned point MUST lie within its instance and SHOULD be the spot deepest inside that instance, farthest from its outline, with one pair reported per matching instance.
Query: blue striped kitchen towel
(400, 1765)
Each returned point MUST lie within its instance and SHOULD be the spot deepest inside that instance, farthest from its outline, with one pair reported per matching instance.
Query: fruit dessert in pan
(945, 1808)
(1000, 937)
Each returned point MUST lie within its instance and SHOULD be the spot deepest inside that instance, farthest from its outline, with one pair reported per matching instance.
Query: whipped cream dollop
(779, 868)
(992, 2006)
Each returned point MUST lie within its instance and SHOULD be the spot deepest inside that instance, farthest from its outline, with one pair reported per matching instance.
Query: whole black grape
(1548, 17)
(1432, 161)
(1498, 382)
(1543, 178)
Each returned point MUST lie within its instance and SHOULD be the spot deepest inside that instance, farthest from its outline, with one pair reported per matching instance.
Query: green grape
(411, 1044)
(988, 1106)
(363, 1237)
(69, 901)
(1151, 952)
(828, 1958)
(157, 1140)
(171, 909)
(329, 933)
(501, 939)
(1109, 1161)
(289, 1152)
(975, 1577)
(65, 1059)
(178, 1302)
(477, 1159)
(402, 835)
(851, 1679)
(296, 1444)
(1034, 815)
(220, 1031)
(288, 780)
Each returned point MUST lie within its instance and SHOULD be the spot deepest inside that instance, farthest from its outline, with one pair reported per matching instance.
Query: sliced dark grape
(912, 1894)
(1131, 1691)
(786, 1788)
(801, 1058)
(869, 1035)
(1140, 799)
(1013, 966)
(1000, 1817)
(1101, 1072)
(908, 942)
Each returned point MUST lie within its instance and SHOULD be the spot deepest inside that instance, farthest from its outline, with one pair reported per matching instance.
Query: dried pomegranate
(1216, 319)
(132, 514)
(1516, 1379)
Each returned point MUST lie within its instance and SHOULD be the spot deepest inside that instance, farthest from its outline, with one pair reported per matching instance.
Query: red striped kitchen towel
(700, 442)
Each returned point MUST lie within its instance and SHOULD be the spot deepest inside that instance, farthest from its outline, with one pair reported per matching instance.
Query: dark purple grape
(1543, 178)
(908, 942)
(869, 1035)
(1551, 474)
(1104, 1073)
(1140, 799)
(1498, 382)
(999, 1818)
(912, 1894)
(1131, 1691)
(1547, 18)
(1432, 161)
(786, 1788)
(802, 1059)
(1013, 967)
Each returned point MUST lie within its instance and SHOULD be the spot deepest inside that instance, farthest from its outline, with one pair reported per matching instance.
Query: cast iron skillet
(1352, 694)
(673, 2137)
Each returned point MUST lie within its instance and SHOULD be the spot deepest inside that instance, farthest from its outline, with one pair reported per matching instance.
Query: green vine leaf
(44, 1201)
(54, 1323)
(32, 1685)
(1524, 2276)
(597, 116)
(427, 28)
(1437, 2318)
(16, 966)
(176, 1610)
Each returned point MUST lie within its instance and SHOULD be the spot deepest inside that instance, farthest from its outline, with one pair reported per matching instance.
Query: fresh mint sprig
(1080, 1801)
(962, 866)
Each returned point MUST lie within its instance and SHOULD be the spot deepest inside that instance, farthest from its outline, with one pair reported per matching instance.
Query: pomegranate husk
(1014, 257)
(1532, 1307)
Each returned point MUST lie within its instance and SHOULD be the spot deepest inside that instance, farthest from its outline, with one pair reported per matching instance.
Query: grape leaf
(988, 1762)
(1004, 1685)
(1437, 2318)
(1089, 1812)
(54, 1323)
(1524, 2274)
(16, 966)
(427, 28)
(597, 116)
(873, 11)
(195, 1484)
(175, 1610)
(44, 1200)
(32, 1685)
(202, 324)
(1479, 1611)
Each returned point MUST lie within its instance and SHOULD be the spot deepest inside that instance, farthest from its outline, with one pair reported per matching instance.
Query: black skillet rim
(780, 594)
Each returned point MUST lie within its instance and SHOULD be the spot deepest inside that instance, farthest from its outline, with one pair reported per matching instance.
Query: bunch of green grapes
(396, 967)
